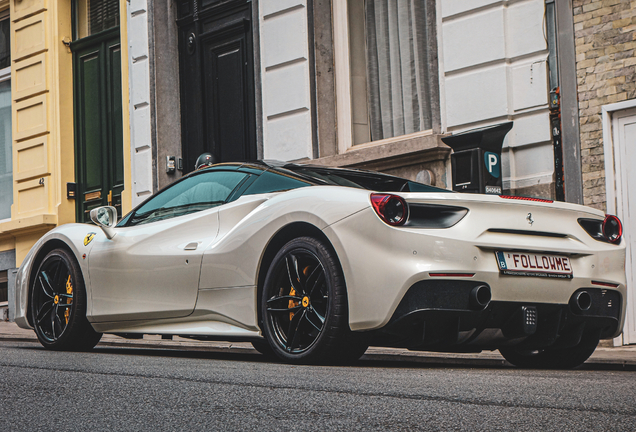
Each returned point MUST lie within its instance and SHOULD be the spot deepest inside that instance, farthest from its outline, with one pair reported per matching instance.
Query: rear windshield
(361, 179)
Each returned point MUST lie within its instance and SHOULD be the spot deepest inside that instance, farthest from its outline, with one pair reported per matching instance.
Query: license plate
(532, 264)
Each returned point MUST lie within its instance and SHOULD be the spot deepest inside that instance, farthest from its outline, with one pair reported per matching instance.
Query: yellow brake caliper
(292, 303)
(69, 291)
(292, 292)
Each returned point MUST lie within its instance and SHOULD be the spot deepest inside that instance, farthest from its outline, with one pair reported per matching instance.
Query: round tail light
(612, 229)
(392, 209)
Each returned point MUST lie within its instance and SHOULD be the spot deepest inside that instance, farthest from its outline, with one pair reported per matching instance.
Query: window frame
(343, 85)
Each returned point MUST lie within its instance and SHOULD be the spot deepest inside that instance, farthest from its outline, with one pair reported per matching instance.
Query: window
(5, 48)
(4, 287)
(382, 61)
(95, 16)
(192, 194)
(6, 160)
(274, 182)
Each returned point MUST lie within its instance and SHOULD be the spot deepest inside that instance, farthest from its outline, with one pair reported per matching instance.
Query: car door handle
(191, 246)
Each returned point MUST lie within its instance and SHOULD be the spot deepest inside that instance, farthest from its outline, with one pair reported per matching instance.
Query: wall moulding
(29, 78)
(30, 117)
(21, 9)
(29, 37)
(32, 197)
(32, 158)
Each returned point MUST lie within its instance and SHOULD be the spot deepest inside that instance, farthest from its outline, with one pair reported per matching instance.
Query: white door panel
(150, 271)
(624, 141)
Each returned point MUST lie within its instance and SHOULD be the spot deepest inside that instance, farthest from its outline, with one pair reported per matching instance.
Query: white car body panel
(157, 276)
(234, 258)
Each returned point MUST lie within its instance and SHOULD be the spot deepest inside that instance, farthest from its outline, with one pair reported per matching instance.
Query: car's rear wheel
(554, 358)
(58, 304)
(304, 305)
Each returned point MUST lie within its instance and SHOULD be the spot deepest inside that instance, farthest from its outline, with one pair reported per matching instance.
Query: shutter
(102, 15)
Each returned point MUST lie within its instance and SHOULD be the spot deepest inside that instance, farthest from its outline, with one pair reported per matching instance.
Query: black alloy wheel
(304, 305)
(58, 304)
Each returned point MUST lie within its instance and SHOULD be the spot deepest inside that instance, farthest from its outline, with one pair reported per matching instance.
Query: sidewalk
(603, 357)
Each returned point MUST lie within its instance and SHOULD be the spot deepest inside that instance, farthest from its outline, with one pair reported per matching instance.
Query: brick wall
(605, 39)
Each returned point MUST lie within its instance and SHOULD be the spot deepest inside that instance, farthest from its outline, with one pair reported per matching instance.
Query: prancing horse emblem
(529, 219)
(89, 238)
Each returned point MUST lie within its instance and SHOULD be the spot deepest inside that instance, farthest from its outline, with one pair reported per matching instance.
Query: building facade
(606, 73)
(358, 83)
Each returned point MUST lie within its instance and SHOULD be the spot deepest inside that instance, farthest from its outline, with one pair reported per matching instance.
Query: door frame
(613, 193)
(201, 23)
(107, 134)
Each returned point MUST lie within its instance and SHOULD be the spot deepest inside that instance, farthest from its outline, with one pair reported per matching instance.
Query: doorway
(619, 136)
(97, 94)
(217, 80)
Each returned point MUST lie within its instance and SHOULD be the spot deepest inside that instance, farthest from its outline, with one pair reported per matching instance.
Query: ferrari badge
(89, 238)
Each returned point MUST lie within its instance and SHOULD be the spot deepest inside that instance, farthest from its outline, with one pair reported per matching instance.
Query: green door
(99, 156)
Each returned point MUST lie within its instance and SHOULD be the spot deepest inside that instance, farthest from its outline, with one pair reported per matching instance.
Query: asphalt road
(152, 389)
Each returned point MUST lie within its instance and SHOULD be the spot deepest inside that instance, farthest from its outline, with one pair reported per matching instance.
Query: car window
(274, 182)
(192, 194)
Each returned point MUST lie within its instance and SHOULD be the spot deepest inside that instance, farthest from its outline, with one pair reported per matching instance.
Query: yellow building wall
(42, 121)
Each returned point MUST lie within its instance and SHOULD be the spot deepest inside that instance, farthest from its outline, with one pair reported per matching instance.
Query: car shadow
(364, 362)
(367, 361)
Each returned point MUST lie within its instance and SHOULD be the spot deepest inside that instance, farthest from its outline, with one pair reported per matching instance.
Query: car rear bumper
(444, 315)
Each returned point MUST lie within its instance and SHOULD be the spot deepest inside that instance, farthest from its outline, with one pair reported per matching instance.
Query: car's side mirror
(105, 218)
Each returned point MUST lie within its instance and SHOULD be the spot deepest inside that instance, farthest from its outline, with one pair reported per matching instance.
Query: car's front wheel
(304, 305)
(553, 358)
(58, 304)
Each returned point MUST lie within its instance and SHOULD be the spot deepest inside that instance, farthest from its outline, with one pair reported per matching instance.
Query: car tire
(304, 305)
(555, 358)
(58, 304)
(263, 347)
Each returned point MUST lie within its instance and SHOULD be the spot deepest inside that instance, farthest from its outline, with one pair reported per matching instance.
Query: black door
(99, 156)
(217, 80)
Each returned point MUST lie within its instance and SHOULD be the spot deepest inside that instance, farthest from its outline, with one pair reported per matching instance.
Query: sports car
(314, 264)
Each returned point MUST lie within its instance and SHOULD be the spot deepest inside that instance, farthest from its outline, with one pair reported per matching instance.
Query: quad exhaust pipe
(479, 297)
(581, 301)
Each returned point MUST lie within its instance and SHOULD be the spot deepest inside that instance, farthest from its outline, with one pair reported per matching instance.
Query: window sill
(29, 224)
(391, 153)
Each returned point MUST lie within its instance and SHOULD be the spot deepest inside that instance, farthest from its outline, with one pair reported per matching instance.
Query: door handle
(191, 246)
(110, 198)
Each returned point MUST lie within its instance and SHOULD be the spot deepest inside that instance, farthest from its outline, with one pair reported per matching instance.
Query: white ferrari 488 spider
(314, 264)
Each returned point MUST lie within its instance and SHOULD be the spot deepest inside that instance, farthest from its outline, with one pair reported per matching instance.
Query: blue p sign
(492, 164)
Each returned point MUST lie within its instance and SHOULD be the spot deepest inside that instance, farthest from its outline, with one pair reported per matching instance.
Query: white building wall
(495, 70)
(287, 133)
(139, 86)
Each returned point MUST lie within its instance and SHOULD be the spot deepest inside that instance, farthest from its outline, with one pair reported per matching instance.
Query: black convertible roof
(321, 175)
